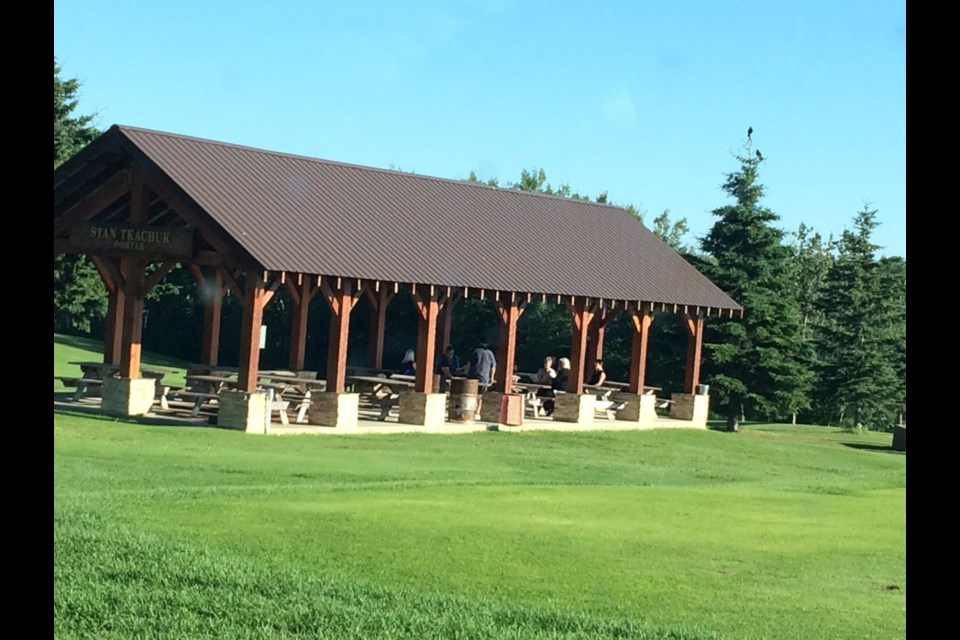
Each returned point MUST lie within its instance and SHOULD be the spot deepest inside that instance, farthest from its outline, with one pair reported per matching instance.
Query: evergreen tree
(757, 365)
(79, 297)
(863, 338)
(70, 133)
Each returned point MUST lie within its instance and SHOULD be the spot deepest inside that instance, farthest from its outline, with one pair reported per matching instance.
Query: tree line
(822, 339)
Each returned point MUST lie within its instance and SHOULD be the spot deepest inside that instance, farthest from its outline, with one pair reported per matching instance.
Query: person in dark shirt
(559, 384)
(599, 375)
(447, 365)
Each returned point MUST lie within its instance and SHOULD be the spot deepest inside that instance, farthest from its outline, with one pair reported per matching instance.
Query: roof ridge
(459, 181)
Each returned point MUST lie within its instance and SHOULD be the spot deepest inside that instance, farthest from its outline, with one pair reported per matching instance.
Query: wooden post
(341, 300)
(132, 272)
(113, 332)
(596, 334)
(301, 294)
(641, 318)
(210, 283)
(445, 321)
(582, 312)
(254, 299)
(426, 299)
(378, 321)
(509, 308)
(109, 270)
(211, 287)
(694, 326)
(132, 323)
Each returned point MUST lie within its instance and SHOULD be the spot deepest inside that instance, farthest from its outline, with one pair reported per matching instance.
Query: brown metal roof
(311, 216)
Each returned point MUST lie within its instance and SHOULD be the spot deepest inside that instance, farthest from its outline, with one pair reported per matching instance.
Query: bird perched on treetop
(749, 132)
(759, 156)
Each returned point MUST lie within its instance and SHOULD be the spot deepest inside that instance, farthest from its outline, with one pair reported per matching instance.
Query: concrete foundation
(576, 408)
(128, 396)
(425, 409)
(334, 409)
(502, 408)
(641, 409)
(244, 411)
(686, 406)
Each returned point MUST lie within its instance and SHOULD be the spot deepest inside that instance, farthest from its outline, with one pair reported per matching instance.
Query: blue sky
(646, 100)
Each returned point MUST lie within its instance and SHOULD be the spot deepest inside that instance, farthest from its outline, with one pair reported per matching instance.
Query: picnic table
(283, 383)
(102, 370)
(390, 387)
(94, 373)
(210, 370)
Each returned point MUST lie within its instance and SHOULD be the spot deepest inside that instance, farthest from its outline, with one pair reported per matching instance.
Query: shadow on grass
(873, 447)
(79, 342)
(67, 407)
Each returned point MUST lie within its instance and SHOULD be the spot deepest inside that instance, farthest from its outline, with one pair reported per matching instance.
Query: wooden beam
(641, 319)
(111, 190)
(211, 289)
(445, 320)
(157, 276)
(510, 310)
(253, 303)
(582, 315)
(132, 323)
(341, 299)
(301, 293)
(428, 308)
(113, 331)
(230, 281)
(691, 379)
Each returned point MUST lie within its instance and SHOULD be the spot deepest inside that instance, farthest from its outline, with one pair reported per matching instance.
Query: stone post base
(641, 409)
(128, 396)
(502, 408)
(686, 406)
(243, 411)
(899, 438)
(425, 409)
(330, 409)
(572, 407)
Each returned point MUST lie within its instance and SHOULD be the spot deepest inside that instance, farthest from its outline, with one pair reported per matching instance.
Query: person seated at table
(599, 375)
(408, 365)
(558, 384)
(447, 365)
(547, 373)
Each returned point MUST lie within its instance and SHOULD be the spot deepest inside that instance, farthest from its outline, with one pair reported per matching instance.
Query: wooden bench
(199, 399)
(609, 407)
(84, 385)
(164, 391)
(534, 402)
(69, 382)
(388, 402)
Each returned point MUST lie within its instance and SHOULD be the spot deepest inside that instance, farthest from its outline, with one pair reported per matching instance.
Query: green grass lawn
(190, 532)
(67, 349)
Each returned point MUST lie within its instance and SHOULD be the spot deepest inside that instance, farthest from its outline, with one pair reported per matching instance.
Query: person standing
(559, 384)
(482, 368)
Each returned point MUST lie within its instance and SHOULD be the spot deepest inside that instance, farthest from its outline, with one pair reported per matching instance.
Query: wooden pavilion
(251, 221)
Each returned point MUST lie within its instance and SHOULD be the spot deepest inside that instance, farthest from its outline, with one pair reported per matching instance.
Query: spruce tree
(757, 365)
(78, 293)
(863, 345)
